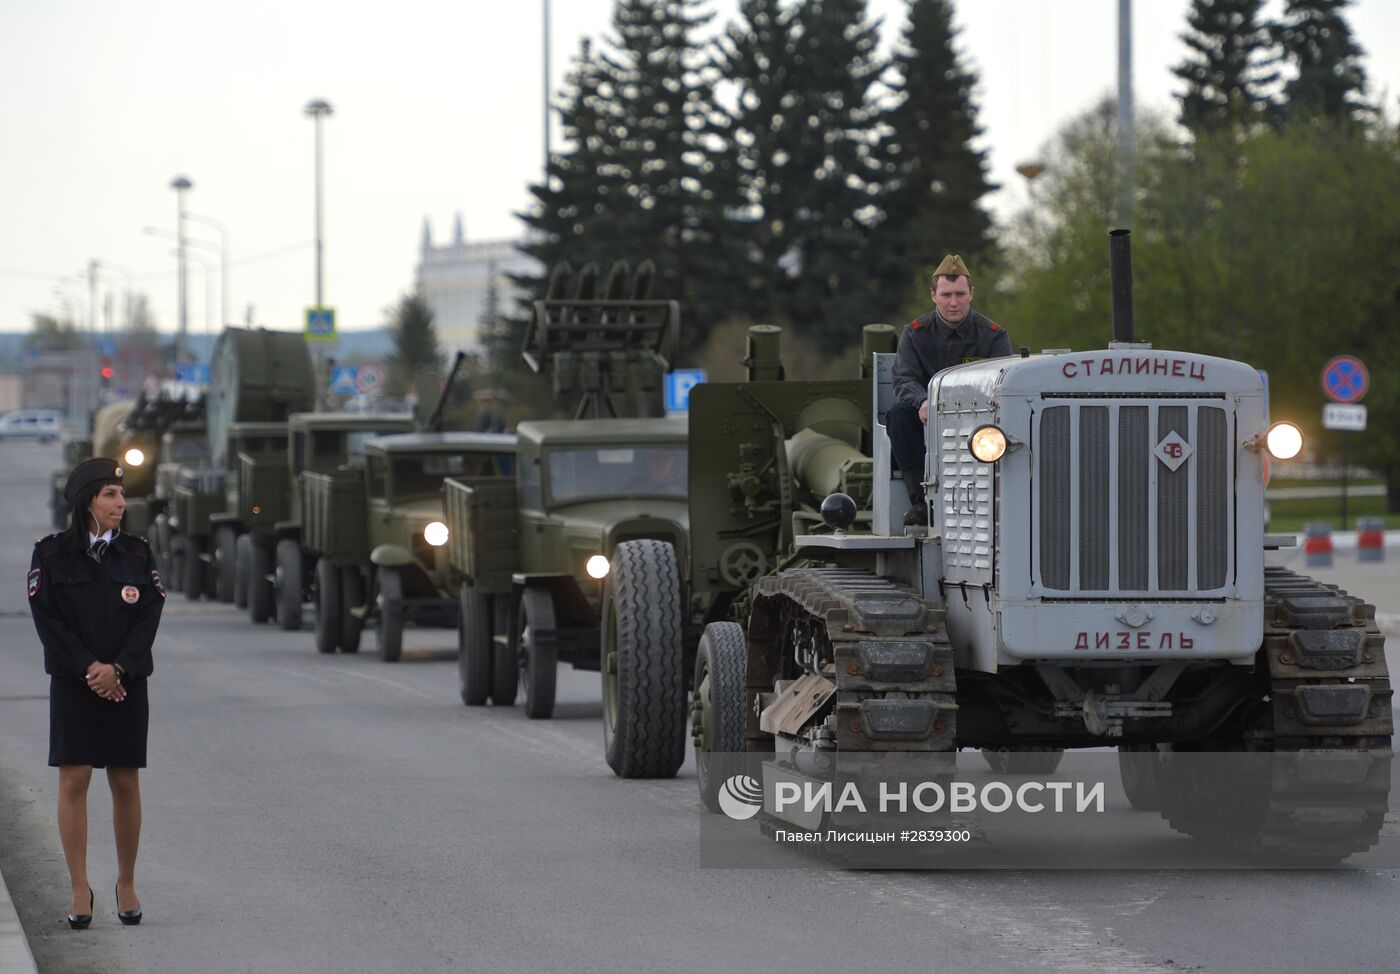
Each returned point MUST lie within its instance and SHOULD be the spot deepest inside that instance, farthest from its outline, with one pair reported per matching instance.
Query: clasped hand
(102, 679)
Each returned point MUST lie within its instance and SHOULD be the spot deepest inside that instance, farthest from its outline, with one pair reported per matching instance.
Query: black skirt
(85, 729)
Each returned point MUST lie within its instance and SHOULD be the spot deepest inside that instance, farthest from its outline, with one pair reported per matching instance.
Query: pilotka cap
(952, 266)
(89, 472)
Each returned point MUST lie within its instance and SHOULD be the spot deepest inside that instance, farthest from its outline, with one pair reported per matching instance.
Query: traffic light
(106, 372)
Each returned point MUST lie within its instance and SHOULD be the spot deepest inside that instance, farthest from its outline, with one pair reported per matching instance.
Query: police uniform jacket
(106, 611)
(930, 345)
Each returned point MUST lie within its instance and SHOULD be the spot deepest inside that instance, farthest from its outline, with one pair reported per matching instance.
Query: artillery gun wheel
(288, 586)
(1282, 779)
(1023, 760)
(644, 693)
(1137, 767)
(193, 575)
(389, 630)
(474, 657)
(242, 570)
(539, 663)
(717, 710)
(327, 607)
(225, 563)
(352, 597)
(261, 604)
(505, 662)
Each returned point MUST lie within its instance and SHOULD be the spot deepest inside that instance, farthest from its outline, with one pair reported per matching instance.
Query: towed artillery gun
(1093, 575)
(377, 531)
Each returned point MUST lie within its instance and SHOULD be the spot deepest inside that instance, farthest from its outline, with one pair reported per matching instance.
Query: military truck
(377, 533)
(583, 560)
(185, 444)
(1092, 574)
(317, 443)
(258, 378)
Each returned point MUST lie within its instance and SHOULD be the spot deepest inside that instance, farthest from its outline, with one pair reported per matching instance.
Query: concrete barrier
(1317, 548)
(1370, 539)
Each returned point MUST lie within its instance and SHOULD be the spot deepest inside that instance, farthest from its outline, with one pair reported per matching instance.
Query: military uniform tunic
(929, 345)
(107, 611)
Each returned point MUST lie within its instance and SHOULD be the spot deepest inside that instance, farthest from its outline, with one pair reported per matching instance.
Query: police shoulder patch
(34, 575)
(155, 581)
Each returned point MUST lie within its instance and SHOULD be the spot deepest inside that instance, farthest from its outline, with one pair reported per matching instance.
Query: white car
(44, 425)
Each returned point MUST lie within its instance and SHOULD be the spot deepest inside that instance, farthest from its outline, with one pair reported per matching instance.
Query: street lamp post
(319, 109)
(224, 298)
(207, 268)
(180, 184)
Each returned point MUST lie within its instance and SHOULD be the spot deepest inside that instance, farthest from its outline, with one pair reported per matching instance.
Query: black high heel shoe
(81, 921)
(129, 918)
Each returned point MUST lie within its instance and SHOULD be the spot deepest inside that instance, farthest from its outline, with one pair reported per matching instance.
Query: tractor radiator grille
(1112, 516)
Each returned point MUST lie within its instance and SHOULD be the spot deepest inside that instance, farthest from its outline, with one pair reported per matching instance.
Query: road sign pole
(1346, 463)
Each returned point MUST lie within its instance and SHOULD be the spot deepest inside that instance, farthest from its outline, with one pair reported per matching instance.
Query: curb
(15, 956)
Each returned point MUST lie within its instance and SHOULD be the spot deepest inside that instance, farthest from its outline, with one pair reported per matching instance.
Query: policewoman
(96, 598)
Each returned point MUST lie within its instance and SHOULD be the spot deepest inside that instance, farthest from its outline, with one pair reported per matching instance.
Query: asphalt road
(331, 813)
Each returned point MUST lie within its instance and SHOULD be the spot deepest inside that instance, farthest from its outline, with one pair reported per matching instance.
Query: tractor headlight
(134, 457)
(1285, 441)
(597, 567)
(435, 534)
(987, 444)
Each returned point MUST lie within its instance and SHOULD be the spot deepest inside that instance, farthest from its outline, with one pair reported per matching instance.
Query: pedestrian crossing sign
(320, 325)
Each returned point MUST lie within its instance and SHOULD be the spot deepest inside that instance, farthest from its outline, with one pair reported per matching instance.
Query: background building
(455, 279)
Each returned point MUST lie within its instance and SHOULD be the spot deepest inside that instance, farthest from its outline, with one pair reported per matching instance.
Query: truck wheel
(717, 711)
(644, 697)
(242, 569)
(539, 663)
(288, 586)
(193, 575)
(1137, 767)
(225, 563)
(352, 596)
(327, 607)
(1023, 760)
(505, 662)
(473, 646)
(260, 595)
(389, 631)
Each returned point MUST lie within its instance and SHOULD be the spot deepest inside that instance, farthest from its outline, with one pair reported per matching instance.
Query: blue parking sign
(678, 386)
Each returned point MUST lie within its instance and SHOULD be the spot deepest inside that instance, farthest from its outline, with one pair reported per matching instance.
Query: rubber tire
(474, 646)
(505, 662)
(1029, 760)
(644, 720)
(1137, 768)
(539, 665)
(225, 563)
(193, 575)
(389, 631)
(327, 607)
(288, 587)
(352, 596)
(262, 602)
(721, 673)
(242, 569)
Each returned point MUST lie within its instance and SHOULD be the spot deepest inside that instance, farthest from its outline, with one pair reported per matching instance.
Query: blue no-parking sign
(678, 386)
(1345, 379)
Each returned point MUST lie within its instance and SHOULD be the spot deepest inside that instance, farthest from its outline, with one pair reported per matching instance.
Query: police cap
(89, 472)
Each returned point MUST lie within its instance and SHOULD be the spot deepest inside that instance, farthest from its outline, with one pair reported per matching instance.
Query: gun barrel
(821, 464)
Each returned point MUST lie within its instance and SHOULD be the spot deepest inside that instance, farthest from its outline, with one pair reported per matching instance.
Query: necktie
(97, 550)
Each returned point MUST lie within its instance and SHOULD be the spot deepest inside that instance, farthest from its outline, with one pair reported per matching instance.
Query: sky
(437, 111)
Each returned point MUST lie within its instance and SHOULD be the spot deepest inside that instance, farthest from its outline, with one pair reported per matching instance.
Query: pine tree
(801, 158)
(665, 142)
(1226, 71)
(574, 216)
(1316, 40)
(933, 177)
(417, 360)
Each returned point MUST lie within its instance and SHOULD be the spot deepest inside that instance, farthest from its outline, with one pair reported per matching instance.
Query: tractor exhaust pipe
(1120, 269)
